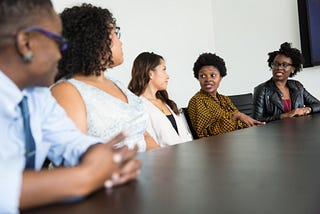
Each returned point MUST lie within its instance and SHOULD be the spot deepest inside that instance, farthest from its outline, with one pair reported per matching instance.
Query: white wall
(246, 30)
(242, 32)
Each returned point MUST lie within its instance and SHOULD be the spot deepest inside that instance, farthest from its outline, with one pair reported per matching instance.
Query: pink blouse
(287, 105)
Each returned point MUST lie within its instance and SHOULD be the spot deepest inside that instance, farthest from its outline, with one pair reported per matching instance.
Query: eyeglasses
(62, 42)
(117, 32)
(277, 65)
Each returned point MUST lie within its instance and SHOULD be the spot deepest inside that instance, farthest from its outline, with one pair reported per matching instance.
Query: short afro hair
(293, 53)
(88, 30)
(16, 15)
(209, 59)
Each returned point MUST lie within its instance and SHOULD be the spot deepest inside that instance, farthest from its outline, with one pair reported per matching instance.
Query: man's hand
(108, 166)
(99, 164)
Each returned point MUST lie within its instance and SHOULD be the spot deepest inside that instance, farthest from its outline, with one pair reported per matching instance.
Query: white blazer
(161, 129)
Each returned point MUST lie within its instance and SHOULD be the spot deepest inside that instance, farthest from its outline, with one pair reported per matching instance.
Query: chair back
(243, 102)
(186, 115)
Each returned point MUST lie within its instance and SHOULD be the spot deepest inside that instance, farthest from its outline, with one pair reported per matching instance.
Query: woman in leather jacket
(280, 98)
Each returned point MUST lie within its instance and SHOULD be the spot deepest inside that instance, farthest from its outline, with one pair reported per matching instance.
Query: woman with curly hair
(99, 105)
(149, 80)
(280, 98)
(210, 112)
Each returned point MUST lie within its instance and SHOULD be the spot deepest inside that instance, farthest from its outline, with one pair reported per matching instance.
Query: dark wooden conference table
(273, 168)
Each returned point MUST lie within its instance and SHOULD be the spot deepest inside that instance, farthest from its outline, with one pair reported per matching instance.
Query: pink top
(287, 105)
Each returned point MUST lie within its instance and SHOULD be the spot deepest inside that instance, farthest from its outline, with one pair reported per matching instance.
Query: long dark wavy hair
(88, 30)
(140, 78)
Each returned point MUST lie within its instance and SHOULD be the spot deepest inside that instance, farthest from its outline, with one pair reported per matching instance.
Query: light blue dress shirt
(54, 133)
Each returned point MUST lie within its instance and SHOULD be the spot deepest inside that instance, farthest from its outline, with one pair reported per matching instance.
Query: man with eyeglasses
(280, 98)
(33, 126)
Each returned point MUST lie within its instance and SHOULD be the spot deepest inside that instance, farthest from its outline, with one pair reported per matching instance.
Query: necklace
(155, 101)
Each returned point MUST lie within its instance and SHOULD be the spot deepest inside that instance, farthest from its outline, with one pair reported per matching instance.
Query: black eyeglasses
(117, 32)
(62, 42)
(277, 65)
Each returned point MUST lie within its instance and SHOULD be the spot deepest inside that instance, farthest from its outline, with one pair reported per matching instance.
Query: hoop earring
(28, 57)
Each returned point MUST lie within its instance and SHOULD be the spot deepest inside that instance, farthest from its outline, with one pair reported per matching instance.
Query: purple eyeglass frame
(62, 42)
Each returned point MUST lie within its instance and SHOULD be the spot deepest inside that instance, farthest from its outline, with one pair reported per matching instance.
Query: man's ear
(22, 42)
(23, 47)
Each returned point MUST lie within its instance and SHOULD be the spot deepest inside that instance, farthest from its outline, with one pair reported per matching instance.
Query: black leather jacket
(267, 102)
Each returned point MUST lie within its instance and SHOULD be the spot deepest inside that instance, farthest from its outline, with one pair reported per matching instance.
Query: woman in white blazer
(149, 80)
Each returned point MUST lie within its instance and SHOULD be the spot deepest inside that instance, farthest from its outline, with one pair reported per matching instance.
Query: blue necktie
(29, 144)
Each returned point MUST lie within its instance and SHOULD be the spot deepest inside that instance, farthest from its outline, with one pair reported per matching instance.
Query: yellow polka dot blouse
(212, 115)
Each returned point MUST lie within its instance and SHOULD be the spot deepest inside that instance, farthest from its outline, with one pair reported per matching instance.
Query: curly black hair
(288, 51)
(88, 30)
(209, 59)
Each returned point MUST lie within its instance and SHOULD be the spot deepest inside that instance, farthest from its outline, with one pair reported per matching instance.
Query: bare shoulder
(70, 99)
(68, 96)
(64, 90)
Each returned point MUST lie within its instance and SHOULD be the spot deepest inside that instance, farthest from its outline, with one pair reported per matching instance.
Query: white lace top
(108, 115)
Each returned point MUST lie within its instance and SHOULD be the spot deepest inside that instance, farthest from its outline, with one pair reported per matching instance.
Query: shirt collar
(207, 93)
(10, 94)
